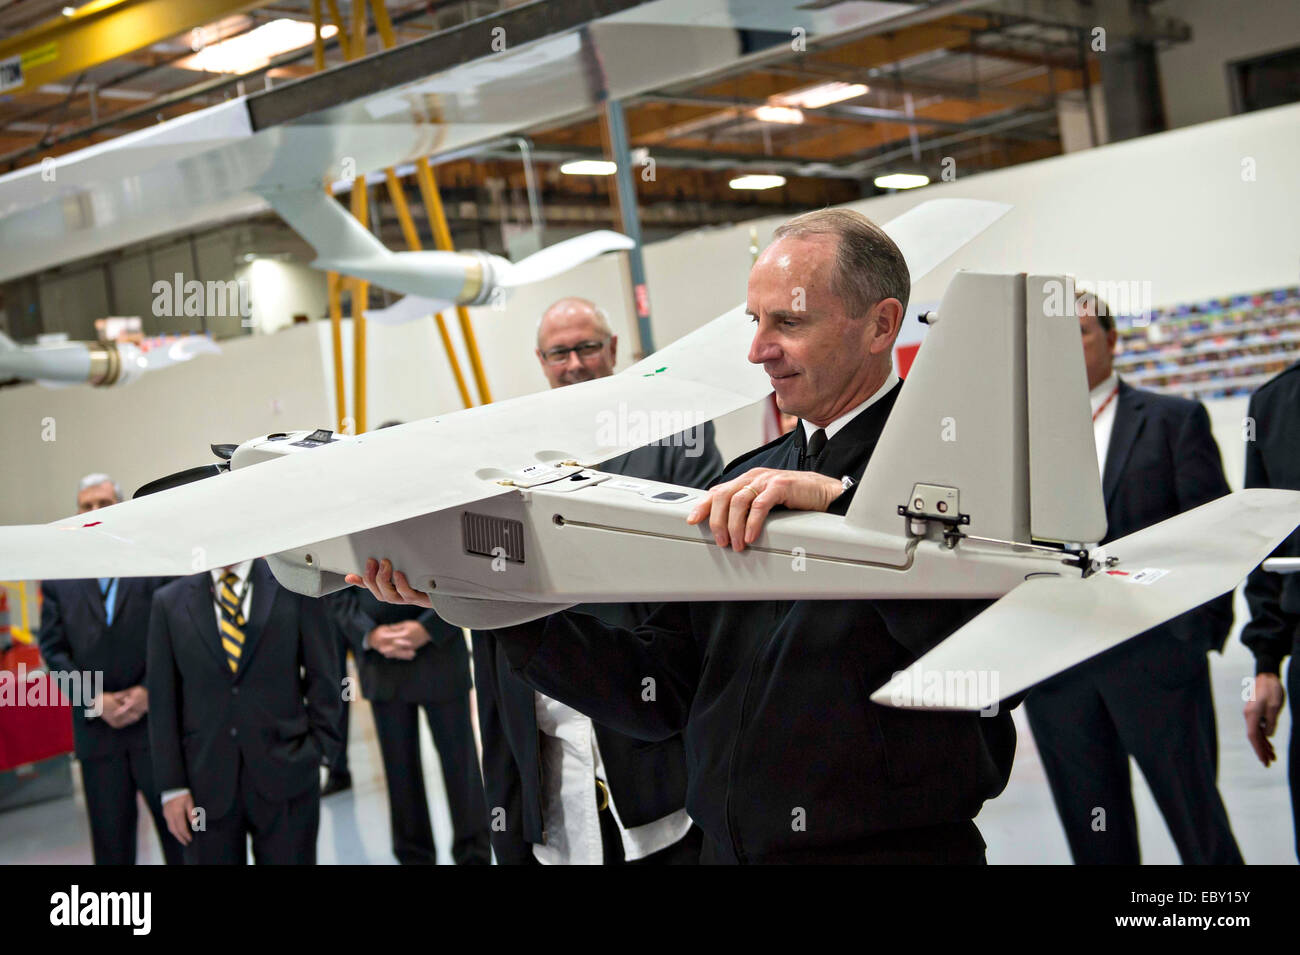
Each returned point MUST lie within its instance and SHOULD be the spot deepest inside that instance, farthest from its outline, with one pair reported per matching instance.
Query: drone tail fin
(995, 413)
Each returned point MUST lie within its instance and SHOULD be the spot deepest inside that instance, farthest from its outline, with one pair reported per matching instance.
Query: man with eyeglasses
(562, 789)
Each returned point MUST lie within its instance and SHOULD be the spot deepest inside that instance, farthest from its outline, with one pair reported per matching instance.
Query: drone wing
(402, 472)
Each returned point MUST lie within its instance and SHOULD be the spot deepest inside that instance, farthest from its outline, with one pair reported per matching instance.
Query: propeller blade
(559, 258)
(183, 349)
(1049, 624)
(409, 308)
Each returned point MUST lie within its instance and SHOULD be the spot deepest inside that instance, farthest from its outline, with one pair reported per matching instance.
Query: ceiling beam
(98, 32)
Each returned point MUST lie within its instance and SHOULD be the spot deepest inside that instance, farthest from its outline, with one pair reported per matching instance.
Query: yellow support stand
(412, 235)
(442, 239)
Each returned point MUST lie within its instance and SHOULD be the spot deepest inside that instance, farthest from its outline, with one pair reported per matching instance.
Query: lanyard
(1105, 404)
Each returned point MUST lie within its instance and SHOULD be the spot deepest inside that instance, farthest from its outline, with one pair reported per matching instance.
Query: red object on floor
(29, 734)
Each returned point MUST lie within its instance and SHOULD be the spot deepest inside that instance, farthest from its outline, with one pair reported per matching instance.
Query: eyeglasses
(558, 356)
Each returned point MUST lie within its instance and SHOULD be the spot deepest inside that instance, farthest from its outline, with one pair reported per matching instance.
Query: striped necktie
(232, 620)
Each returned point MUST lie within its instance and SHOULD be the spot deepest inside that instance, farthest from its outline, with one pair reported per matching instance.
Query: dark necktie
(815, 445)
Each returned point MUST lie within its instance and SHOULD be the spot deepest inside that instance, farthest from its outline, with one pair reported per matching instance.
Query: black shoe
(336, 783)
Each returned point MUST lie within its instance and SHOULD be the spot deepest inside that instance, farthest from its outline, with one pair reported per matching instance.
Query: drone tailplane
(1050, 623)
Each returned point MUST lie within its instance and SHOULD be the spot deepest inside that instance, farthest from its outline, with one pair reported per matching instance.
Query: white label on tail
(1147, 575)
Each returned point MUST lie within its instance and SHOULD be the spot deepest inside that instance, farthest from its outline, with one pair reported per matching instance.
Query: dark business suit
(1150, 697)
(647, 779)
(115, 763)
(438, 681)
(1273, 460)
(246, 744)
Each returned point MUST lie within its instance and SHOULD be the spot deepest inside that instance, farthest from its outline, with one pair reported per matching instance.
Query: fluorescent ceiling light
(779, 114)
(901, 180)
(754, 181)
(589, 167)
(254, 49)
(815, 97)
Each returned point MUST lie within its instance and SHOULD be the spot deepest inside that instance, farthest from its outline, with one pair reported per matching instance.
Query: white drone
(501, 512)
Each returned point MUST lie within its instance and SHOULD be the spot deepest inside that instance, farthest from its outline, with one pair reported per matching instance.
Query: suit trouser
(340, 765)
(283, 831)
(110, 784)
(1151, 699)
(948, 843)
(398, 728)
(1293, 750)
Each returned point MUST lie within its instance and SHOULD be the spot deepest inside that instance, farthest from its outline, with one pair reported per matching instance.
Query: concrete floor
(1020, 826)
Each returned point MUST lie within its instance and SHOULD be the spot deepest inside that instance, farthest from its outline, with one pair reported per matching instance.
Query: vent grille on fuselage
(483, 534)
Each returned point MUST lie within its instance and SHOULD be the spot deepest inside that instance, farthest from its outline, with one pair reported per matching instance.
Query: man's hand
(390, 587)
(135, 701)
(177, 812)
(1261, 715)
(116, 711)
(412, 632)
(736, 510)
(398, 641)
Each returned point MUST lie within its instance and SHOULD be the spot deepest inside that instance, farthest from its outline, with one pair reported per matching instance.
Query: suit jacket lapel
(265, 590)
(1130, 416)
(202, 609)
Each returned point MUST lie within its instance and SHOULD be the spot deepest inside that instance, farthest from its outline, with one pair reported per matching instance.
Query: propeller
(102, 364)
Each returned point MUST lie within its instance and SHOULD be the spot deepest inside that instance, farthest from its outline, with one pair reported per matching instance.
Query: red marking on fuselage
(92, 524)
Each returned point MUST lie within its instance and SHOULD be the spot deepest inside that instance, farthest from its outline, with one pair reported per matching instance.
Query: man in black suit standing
(245, 683)
(563, 788)
(411, 659)
(101, 626)
(1273, 460)
(1150, 697)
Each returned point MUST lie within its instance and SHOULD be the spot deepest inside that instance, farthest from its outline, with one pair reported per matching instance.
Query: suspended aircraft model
(984, 484)
(102, 364)
(432, 281)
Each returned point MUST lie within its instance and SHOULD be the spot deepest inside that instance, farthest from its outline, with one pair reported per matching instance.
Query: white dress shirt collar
(1099, 394)
(240, 570)
(809, 428)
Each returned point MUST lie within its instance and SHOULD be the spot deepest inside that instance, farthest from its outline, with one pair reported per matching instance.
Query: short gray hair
(602, 317)
(94, 480)
(869, 267)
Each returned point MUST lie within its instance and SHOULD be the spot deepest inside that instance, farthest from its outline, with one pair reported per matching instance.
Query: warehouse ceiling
(977, 84)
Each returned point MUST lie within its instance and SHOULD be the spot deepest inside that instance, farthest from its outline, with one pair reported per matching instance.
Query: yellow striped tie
(232, 621)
